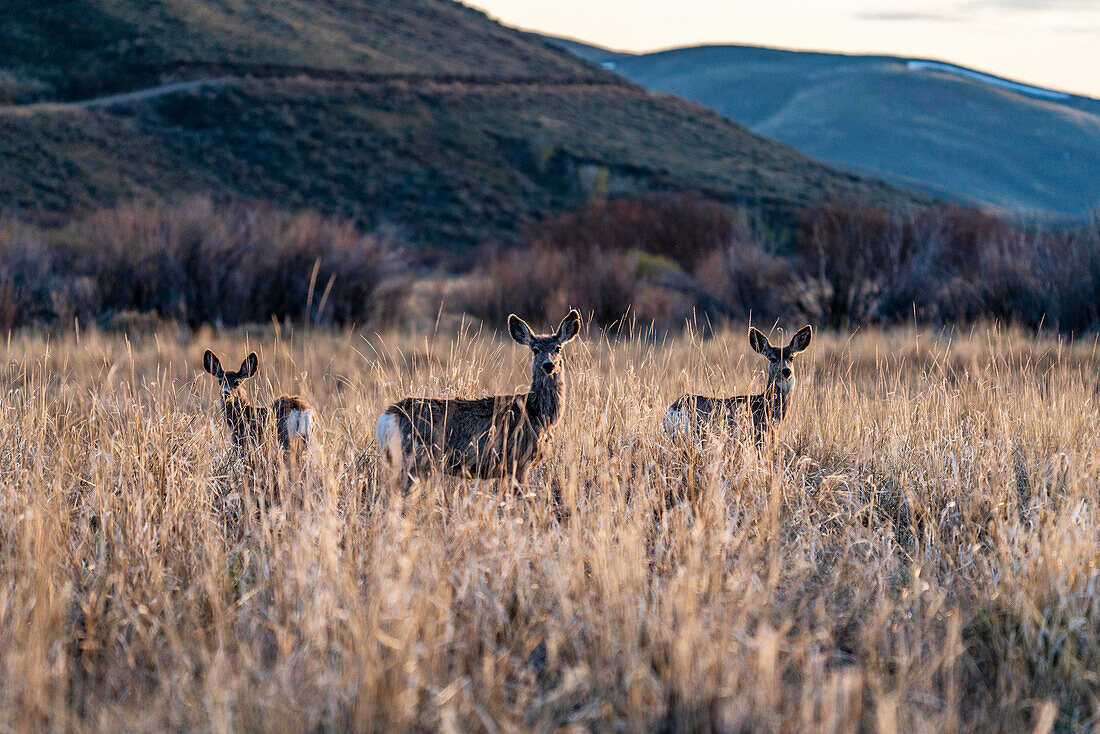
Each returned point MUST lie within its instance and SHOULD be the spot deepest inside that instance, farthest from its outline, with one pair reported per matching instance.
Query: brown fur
(501, 436)
(253, 425)
(766, 409)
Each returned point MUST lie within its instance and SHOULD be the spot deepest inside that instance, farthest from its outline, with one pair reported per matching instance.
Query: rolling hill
(420, 115)
(933, 127)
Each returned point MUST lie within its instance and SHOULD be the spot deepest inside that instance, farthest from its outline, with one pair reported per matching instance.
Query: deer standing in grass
(289, 419)
(766, 408)
(501, 436)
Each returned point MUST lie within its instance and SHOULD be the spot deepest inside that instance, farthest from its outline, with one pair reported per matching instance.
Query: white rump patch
(388, 435)
(299, 424)
(676, 422)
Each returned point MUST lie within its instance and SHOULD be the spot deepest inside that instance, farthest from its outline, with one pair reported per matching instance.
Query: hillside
(423, 116)
(69, 49)
(932, 127)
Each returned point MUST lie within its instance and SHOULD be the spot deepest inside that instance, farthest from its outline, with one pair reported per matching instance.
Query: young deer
(767, 408)
(501, 436)
(252, 424)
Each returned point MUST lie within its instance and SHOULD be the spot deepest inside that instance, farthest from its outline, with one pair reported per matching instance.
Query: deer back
(479, 437)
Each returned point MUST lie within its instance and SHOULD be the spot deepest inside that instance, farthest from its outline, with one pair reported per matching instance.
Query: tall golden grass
(916, 549)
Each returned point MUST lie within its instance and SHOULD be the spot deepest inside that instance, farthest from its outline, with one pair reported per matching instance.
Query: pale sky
(1051, 43)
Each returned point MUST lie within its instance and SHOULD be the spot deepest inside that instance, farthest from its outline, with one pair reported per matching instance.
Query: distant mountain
(420, 115)
(929, 126)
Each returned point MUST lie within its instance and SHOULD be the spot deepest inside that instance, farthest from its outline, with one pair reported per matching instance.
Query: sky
(1050, 43)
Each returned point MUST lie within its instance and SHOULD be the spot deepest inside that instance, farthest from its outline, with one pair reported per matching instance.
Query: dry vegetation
(665, 260)
(917, 550)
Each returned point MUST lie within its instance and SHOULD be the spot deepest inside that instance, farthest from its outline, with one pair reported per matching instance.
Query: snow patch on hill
(918, 65)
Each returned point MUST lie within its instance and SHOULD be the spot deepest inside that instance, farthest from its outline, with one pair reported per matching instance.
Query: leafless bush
(749, 279)
(684, 228)
(668, 260)
(854, 263)
(655, 260)
(652, 260)
(945, 264)
(200, 263)
(543, 281)
(37, 284)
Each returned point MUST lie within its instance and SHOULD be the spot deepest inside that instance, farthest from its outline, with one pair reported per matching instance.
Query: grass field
(917, 549)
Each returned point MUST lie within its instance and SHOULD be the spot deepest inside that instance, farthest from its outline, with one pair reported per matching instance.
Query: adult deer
(289, 419)
(500, 436)
(766, 408)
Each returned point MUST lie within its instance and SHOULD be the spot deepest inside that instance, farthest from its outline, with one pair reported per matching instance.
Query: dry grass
(917, 550)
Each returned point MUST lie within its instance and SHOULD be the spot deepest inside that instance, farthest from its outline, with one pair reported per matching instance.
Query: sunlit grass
(918, 548)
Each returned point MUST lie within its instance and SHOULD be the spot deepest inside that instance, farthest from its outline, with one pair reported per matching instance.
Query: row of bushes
(199, 264)
(841, 266)
(658, 260)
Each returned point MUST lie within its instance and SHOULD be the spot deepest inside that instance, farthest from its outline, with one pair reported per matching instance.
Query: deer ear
(249, 366)
(801, 340)
(519, 330)
(212, 364)
(759, 342)
(569, 327)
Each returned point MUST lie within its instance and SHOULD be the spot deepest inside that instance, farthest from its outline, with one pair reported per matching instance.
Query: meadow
(916, 548)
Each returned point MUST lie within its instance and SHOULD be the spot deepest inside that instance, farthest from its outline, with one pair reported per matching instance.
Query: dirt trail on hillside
(112, 99)
(220, 75)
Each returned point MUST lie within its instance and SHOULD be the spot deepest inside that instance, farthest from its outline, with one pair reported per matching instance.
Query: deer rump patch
(695, 412)
(451, 434)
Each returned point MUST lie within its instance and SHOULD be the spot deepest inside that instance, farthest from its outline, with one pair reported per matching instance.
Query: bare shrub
(944, 265)
(1069, 269)
(199, 263)
(651, 260)
(636, 257)
(38, 283)
(542, 281)
(750, 280)
(685, 227)
(236, 264)
(854, 262)
(668, 260)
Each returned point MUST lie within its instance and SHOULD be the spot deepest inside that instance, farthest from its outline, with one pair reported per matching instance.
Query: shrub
(38, 284)
(653, 260)
(199, 263)
(683, 227)
(944, 265)
(751, 281)
(545, 283)
(844, 266)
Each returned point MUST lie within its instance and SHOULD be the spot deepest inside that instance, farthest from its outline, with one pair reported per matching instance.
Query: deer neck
(545, 399)
(238, 408)
(778, 398)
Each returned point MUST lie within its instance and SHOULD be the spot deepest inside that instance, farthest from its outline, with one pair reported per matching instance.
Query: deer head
(545, 348)
(780, 373)
(230, 381)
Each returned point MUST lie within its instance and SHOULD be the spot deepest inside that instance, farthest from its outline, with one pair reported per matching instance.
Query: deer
(289, 419)
(767, 408)
(502, 436)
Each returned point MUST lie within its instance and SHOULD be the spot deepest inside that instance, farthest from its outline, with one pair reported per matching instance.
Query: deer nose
(548, 367)
(786, 373)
